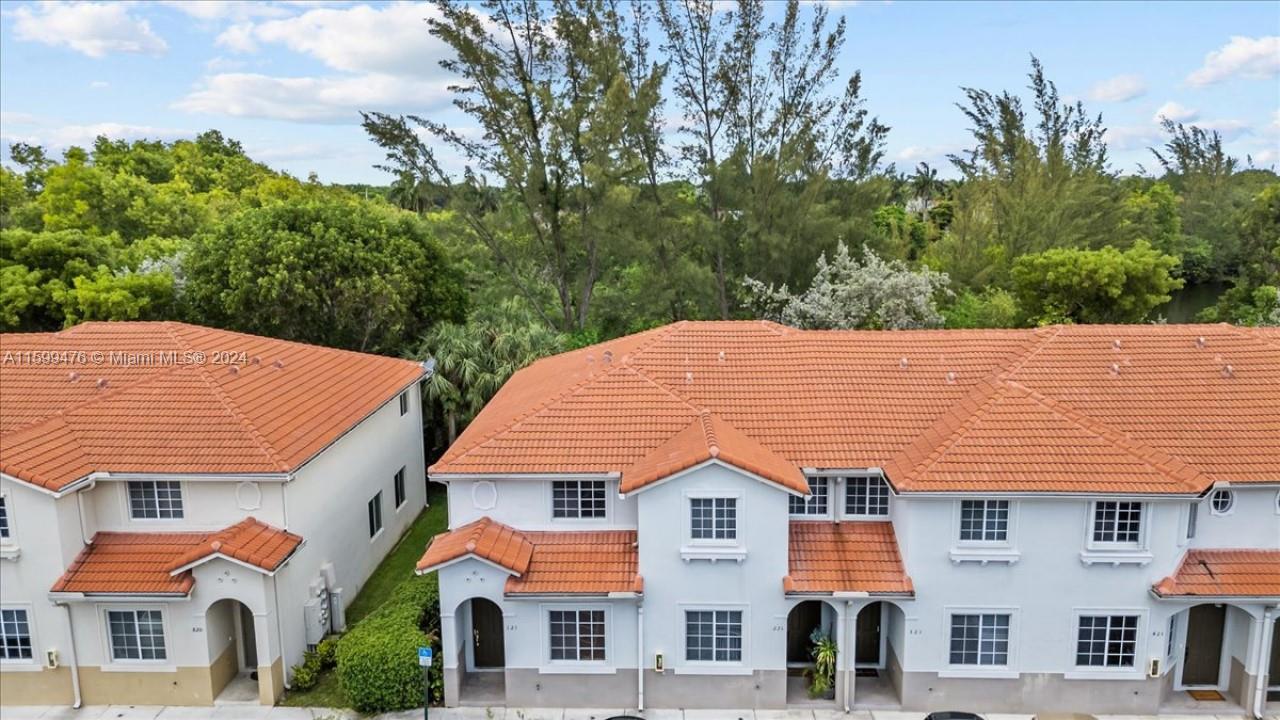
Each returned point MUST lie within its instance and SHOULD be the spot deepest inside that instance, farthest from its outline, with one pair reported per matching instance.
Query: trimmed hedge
(378, 658)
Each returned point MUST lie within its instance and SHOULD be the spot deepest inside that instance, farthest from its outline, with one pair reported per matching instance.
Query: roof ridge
(1167, 464)
(229, 404)
(1029, 352)
(984, 392)
(641, 372)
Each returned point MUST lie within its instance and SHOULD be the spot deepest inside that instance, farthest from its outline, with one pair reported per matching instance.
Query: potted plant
(822, 681)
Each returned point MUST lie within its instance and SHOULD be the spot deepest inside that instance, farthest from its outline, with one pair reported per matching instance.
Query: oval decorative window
(1221, 501)
(248, 496)
(484, 495)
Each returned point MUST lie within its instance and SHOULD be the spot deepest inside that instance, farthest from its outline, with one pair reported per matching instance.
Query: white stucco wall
(1252, 521)
(525, 503)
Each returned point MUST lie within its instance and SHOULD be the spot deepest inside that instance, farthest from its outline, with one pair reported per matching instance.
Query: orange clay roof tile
(158, 563)
(254, 405)
(828, 557)
(553, 563)
(1224, 573)
(710, 438)
(1146, 408)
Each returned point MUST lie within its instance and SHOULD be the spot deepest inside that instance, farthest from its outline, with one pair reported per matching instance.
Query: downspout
(1264, 661)
(84, 533)
(640, 653)
(75, 664)
(850, 628)
(284, 671)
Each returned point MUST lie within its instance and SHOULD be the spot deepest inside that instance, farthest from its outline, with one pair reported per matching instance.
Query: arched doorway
(1202, 658)
(231, 632)
(480, 628)
(879, 633)
(809, 622)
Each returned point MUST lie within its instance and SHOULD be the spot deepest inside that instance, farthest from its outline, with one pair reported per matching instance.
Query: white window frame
(6, 514)
(1117, 553)
(848, 483)
(34, 662)
(985, 551)
(981, 671)
(9, 544)
(368, 514)
(741, 666)
(399, 492)
(1140, 654)
(404, 403)
(1011, 508)
(551, 501)
(808, 511)
(104, 612)
(552, 667)
(1232, 502)
(128, 501)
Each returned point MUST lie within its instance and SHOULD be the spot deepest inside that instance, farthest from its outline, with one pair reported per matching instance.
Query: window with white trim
(1107, 641)
(1221, 501)
(980, 639)
(136, 634)
(578, 499)
(1173, 635)
(404, 402)
(155, 500)
(398, 485)
(1117, 522)
(713, 635)
(984, 521)
(15, 634)
(4, 518)
(577, 635)
(1193, 509)
(816, 503)
(866, 496)
(713, 518)
(375, 514)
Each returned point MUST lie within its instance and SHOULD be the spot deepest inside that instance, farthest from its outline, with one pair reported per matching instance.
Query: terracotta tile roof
(485, 538)
(580, 563)
(267, 413)
(1147, 408)
(156, 563)
(1224, 573)
(827, 557)
(587, 562)
(707, 438)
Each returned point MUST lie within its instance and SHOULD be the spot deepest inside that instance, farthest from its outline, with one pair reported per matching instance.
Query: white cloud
(391, 39)
(311, 99)
(1118, 89)
(1176, 112)
(226, 9)
(1132, 137)
(1265, 159)
(918, 153)
(94, 29)
(1227, 128)
(58, 137)
(99, 84)
(1257, 58)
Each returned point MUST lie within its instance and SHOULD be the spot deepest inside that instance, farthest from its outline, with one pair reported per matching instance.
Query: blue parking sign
(424, 656)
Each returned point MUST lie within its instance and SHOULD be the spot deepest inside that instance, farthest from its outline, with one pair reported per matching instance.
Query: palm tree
(473, 360)
(926, 186)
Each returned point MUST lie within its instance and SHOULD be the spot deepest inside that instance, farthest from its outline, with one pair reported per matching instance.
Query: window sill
(1104, 674)
(10, 552)
(1115, 558)
(20, 666)
(996, 673)
(1007, 556)
(712, 553)
(713, 669)
(577, 669)
(158, 666)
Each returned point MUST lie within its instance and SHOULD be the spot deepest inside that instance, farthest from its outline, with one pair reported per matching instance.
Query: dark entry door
(800, 624)
(486, 634)
(1274, 680)
(1204, 645)
(868, 651)
(248, 639)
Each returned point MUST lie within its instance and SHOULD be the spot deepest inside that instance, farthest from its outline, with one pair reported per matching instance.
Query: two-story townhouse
(183, 511)
(1078, 518)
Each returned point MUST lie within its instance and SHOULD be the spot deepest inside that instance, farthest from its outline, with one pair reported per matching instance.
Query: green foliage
(824, 652)
(307, 673)
(377, 659)
(991, 308)
(1094, 286)
(1253, 298)
(325, 268)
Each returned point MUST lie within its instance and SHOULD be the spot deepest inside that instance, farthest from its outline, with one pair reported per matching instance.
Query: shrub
(378, 657)
(314, 662)
(327, 652)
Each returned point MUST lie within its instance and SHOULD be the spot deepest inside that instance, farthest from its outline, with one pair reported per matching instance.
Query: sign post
(424, 659)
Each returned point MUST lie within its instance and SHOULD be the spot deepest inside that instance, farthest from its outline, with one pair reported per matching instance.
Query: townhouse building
(1074, 518)
(184, 511)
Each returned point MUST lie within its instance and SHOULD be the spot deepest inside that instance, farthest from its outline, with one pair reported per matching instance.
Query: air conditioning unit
(1154, 669)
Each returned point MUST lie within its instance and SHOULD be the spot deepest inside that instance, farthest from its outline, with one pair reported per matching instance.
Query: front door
(486, 634)
(868, 651)
(802, 621)
(1204, 645)
(248, 639)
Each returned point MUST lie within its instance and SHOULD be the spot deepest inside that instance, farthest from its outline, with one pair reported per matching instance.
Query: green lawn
(394, 568)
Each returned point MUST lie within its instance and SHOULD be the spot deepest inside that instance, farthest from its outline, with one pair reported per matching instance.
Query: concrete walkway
(252, 712)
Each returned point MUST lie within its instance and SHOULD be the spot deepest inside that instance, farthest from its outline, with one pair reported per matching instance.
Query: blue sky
(287, 78)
